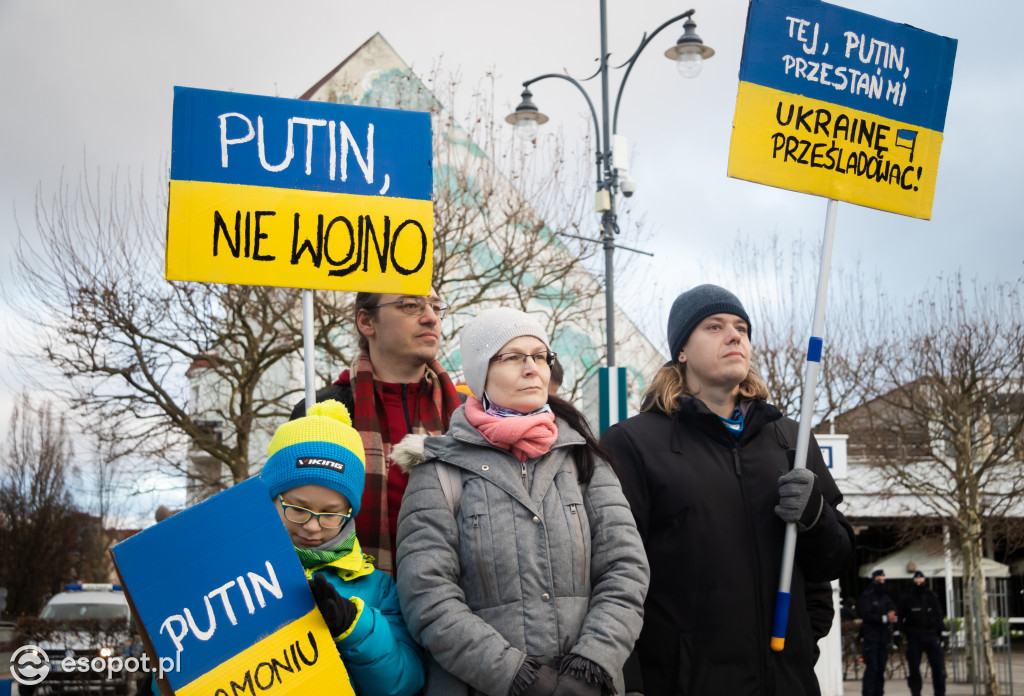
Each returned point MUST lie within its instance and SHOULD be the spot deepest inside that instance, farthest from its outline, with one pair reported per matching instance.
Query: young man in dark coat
(878, 615)
(921, 621)
(706, 469)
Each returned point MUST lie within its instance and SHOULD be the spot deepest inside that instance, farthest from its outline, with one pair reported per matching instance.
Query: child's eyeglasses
(327, 520)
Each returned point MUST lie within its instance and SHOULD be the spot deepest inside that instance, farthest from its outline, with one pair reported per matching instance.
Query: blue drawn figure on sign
(315, 475)
(905, 136)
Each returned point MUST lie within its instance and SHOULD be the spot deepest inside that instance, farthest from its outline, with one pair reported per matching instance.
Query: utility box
(604, 398)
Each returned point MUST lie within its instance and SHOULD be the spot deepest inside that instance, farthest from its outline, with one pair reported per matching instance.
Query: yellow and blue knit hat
(321, 449)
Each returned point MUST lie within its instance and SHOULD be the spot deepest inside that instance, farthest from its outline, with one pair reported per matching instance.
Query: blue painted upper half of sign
(849, 58)
(211, 559)
(230, 138)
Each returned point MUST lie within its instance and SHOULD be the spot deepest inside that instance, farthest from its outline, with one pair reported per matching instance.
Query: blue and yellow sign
(224, 602)
(292, 193)
(841, 104)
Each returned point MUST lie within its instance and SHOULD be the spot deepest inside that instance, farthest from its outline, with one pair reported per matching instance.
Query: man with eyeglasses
(395, 387)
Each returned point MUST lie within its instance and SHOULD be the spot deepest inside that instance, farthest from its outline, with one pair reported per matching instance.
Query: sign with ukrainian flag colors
(841, 104)
(293, 193)
(224, 604)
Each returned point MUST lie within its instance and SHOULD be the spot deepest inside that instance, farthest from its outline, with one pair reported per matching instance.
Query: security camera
(628, 187)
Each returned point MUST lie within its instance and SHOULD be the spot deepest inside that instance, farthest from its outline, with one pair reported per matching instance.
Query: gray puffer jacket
(532, 563)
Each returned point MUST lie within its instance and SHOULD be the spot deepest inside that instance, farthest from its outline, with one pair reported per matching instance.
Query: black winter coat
(704, 505)
(920, 612)
(873, 607)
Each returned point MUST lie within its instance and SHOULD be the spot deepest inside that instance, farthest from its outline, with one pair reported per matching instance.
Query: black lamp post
(689, 53)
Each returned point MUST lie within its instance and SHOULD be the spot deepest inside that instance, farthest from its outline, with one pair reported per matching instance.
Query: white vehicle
(78, 643)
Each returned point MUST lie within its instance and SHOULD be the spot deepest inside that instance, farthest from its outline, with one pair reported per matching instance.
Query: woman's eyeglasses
(546, 358)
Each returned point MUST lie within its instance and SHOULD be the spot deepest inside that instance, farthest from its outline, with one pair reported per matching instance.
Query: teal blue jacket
(380, 655)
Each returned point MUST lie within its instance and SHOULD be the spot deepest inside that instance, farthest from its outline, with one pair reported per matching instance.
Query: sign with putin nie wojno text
(304, 194)
(841, 104)
(223, 602)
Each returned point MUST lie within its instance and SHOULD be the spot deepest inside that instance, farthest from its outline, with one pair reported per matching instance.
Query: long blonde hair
(670, 384)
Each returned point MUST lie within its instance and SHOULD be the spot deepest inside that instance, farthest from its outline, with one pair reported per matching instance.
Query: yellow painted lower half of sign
(301, 658)
(785, 140)
(252, 235)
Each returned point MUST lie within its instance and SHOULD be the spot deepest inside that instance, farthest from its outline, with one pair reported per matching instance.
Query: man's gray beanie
(485, 334)
(695, 304)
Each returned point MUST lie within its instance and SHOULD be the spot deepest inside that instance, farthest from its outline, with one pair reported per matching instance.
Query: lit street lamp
(689, 54)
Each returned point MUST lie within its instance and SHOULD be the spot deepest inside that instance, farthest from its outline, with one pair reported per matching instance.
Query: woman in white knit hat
(520, 569)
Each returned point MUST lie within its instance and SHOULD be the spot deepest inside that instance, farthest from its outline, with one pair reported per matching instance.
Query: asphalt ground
(896, 683)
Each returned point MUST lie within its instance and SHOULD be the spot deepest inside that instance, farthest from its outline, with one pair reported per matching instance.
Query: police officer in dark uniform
(921, 621)
(878, 614)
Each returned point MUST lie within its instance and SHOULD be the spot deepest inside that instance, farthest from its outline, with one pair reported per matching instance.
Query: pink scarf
(524, 436)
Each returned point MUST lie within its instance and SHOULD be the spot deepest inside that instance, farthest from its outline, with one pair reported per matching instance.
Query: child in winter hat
(315, 475)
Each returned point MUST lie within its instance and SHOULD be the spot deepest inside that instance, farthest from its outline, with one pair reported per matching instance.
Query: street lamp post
(689, 52)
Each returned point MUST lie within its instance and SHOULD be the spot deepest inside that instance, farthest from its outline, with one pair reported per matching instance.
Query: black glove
(800, 498)
(571, 686)
(579, 676)
(338, 612)
(543, 683)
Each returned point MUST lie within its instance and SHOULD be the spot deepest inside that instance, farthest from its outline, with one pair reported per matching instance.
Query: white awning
(927, 556)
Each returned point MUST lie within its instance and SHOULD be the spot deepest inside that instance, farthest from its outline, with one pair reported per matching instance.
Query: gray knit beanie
(485, 334)
(695, 304)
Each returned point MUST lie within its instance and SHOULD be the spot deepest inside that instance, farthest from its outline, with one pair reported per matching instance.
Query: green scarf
(342, 553)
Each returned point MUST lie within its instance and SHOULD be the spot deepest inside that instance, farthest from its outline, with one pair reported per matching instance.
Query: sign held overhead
(841, 104)
(292, 193)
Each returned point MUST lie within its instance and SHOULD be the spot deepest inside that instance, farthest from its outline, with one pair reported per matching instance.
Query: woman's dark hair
(557, 373)
(584, 455)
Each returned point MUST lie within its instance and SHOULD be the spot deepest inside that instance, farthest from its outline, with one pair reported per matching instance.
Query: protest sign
(224, 604)
(841, 104)
(292, 193)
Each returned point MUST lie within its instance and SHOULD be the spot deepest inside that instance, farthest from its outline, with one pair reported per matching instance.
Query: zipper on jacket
(525, 486)
(762, 667)
(480, 558)
(579, 543)
(405, 408)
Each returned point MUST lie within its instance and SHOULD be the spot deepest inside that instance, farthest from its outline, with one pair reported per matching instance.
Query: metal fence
(964, 653)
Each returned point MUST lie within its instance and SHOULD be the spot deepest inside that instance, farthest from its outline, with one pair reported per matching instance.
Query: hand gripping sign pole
(803, 438)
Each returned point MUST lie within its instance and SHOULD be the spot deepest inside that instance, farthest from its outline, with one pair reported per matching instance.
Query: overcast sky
(92, 81)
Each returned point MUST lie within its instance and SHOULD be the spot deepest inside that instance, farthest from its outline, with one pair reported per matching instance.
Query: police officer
(878, 613)
(921, 621)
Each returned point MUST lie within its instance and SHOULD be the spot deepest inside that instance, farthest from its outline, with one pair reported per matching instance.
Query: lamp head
(689, 52)
(527, 117)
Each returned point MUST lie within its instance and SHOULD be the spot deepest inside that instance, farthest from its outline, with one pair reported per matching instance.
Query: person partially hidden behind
(315, 477)
(921, 621)
(878, 616)
(396, 386)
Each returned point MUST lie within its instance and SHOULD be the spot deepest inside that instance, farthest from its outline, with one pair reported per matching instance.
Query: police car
(79, 646)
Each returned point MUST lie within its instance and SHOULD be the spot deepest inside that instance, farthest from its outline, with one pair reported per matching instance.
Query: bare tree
(37, 530)
(122, 338)
(777, 284)
(185, 374)
(946, 418)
